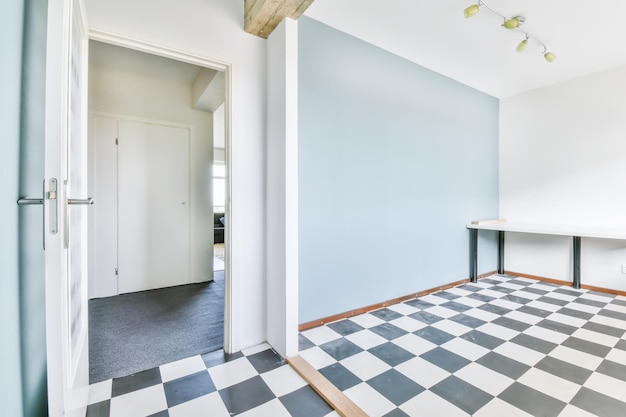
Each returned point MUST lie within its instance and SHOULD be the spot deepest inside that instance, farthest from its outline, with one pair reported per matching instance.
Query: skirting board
(561, 282)
(329, 319)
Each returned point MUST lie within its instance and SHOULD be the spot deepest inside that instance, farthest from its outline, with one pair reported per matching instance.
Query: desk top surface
(548, 229)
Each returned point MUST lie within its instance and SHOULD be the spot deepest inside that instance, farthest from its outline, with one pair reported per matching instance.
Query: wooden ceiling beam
(262, 16)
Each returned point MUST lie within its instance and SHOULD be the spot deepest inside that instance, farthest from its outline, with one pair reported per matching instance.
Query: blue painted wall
(394, 161)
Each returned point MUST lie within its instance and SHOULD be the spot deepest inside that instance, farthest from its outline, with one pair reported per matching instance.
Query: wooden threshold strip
(319, 322)
(330, 393)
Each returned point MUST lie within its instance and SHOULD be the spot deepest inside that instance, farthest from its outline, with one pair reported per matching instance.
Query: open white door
(64, 211)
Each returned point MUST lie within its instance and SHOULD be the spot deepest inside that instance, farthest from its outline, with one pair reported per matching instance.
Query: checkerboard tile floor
(505, 346)
(253, 383)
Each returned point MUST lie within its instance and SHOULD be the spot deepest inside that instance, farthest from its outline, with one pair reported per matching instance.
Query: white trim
(231, 319)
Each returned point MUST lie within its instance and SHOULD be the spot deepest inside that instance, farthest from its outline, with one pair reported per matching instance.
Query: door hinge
(115, 271)
(117, 141)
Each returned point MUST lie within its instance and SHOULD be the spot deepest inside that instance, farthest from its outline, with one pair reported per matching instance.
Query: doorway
(152, 124)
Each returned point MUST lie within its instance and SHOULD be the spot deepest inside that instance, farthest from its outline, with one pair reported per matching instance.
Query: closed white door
(153, 206)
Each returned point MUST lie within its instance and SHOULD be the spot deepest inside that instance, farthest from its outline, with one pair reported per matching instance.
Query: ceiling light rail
(511, 23)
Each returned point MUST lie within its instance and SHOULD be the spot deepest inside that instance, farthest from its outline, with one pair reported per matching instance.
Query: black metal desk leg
(576, 280)
(473, 255)
(500, 252)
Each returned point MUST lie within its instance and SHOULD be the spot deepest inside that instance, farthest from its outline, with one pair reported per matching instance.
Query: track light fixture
(511, 23)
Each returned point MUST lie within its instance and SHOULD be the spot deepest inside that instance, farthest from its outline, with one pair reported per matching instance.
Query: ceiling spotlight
(472, 10)
(511, 23)
(549, 56)
(514, 22)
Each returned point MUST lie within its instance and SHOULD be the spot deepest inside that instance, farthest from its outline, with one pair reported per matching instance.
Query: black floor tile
(564, 370)
(554, 301)
(618, 302)
(304, 343)
(586, 346)
(340, 348)
(345, 327)
(386, 314)
(447, 295)
(539, 312)
(468, 321)
(598, 404)
(556, 326)
(482, 339)
(246, 395)
(434, 335)
(445, 359)
(134, 382)
(340, 377)
(592, 303)
(470, 287)
(520, 282)
(614, 369)
(391, 354)
(388, 331)
(568, 292)
(396, 413)
(511, 324)
(396, 387)
(465, 396)
(452, 305)
(506, 366)
(532, 401)
(621, 345)
(426, 317)
(534, 290)
(101, 409)
(481, 297)
(516, 299)
(575, 313)
(604, 329)
(219, 357)
(305, 403)
(504, 290)
(495, 309)
(188, 388)
(490, 281)
(534, 343)
(266, 361)
(417, 303)
(163, 413)
(613, 314)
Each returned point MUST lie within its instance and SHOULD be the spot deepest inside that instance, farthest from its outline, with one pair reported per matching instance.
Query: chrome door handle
(80, 201)
(27, 201)
(52, 207)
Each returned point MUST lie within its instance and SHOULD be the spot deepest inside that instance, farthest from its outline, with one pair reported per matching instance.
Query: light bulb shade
(512, 23)
(522, 45)
(549, 56)
(471, 10)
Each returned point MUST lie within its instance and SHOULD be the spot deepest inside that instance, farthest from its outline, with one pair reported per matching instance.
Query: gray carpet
(133, 332)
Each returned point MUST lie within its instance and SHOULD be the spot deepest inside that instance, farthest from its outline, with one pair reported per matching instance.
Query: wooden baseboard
(330, 393)
(351, 313)
(567, 283)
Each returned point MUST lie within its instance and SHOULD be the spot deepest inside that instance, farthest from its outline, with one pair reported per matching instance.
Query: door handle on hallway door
(50, 195)
(80, 201)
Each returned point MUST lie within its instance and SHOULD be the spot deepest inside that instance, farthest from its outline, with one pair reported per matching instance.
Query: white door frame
(231, 307)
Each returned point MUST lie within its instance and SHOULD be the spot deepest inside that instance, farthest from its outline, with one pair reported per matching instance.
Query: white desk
(577, 232)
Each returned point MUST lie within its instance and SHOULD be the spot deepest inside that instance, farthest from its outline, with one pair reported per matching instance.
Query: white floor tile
(609, 321)
(481, 314)
(569, 320)
(452, 327)
(607, 385)
(498, 331)
(617, 355)
(584, 308)
(519, 353)
(433, 299)
(484, 378)
(526, 294)
(595, 337)
(317, 357)
(206, 405)
(369, 400)
(422, 372)
(441, 311)
(139, 403)
(549, 384)
(499, 408)
(366, 339)
(430, 404)
(231, 373)
(572, 411)
(283, 380)
(174, 370)
(365, 365)
(402, 308)
(273, 408)
(256, 349)
(616, 307)
(100, 391)
(523, 317)
(560, 296)
(544, 306)
(414, 344)
(471, 302)
(576, 357)
(322, 334)
(466, 349)
(505, 304)
(594, 297)
(492, 293)
(408, 324)
(546, 334)
(367, 320)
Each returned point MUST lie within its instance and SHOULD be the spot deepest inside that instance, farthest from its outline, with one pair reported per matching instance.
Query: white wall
(563, 161)
(214, 29)
(219, 134)
(132, 94)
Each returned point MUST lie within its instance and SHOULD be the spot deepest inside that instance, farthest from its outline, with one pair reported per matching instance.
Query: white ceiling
(586, 36)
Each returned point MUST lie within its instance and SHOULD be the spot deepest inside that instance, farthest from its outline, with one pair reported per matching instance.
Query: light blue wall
(10, 80)
(394, 161)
